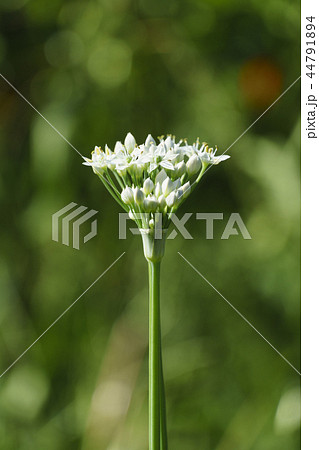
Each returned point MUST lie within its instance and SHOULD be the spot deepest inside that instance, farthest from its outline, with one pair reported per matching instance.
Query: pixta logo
(74, 212)
(234, 226)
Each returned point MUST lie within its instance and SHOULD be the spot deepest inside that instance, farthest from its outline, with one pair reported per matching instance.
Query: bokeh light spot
(25, 392)
(260, 82)
(288, 413)
(110, 63)
(63, 49)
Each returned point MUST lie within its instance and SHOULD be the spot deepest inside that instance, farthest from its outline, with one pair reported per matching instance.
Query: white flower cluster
(150, 177)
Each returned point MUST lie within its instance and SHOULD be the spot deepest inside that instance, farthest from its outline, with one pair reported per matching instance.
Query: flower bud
(150, 204)
(186, 188)
(167, 186)
(162, 202)
(180, 169)
(131, 215)
(138, 196)
(170, 199)
(160, 177)
(127, 196)
(179, 195)
(121, 170)
(193, 165)
(129, 142)
(177, 183)
(157, 190)
(136, 170)
(148, 186)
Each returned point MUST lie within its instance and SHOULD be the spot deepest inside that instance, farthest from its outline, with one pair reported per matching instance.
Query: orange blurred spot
(260, 81)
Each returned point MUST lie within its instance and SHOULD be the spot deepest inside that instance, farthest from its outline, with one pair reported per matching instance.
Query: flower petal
(166, 165)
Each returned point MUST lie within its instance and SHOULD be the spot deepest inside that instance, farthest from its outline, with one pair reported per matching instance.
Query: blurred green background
(96, 70)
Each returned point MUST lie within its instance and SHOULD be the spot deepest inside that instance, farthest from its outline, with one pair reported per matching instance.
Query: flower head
(152, 177)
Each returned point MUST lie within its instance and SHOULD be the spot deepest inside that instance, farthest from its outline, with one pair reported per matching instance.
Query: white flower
(160, 177)
(149, 140)
(119, 148)
(157, 156)
(99, 159)
(169, 142)
(138, 196)
(150, 204)
(219, 159)
(130, 142)
(107, 150)
(186, 188)
(136, 169)
(207, 156)
(152, 177)
(158, 190)
(167, 186)
(148, 186)
(177, 183)
(180, 169)
(131, 215)
(170, 199)
(193, 165)
(162, 202)
(122, 171)
(179, 196)
(127, 196)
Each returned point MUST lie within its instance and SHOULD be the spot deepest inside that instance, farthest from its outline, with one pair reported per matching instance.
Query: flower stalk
(151, 181)
(163, 420)
(154, 251)
(155, 378)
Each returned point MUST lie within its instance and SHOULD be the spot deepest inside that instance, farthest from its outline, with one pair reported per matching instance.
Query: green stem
(157, 408)
(109, 188)
(154, 356)
(119, 180)
(164, 443)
